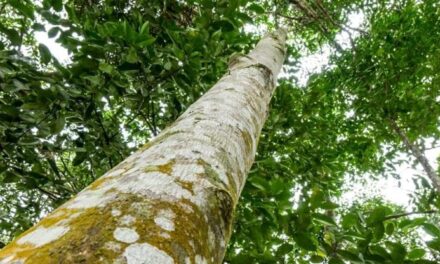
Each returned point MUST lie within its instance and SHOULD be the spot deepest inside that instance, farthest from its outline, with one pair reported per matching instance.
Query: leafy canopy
(135, 65)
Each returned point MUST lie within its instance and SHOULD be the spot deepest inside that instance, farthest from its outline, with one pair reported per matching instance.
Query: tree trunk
(173, 200)
(417, 153)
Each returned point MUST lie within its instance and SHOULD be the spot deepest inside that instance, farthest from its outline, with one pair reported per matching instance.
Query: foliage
(135, 65)
(129, 76)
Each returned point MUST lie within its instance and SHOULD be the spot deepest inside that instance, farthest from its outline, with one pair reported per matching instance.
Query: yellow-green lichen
(188, 225)
(85, 236)
(211, 175)
(158, 139)
(247, 141)
(166, 168)
(90, 236)
(98, 183)
(224, 159)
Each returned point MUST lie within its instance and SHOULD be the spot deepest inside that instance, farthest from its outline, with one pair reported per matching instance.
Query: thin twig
(408, 214)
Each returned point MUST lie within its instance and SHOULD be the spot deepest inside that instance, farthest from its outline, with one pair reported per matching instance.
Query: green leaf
(355, 235)
(349, 255)
(132, 56)
(57, 5)
(216, 35)
(335, 260)
(28, 141)
(416, 253)
(434, 244)
(259, 183)
(404, 223)
(3, 168)
(398, 252)
(38, 27)
(33, 106)
(257, 237)
(9, 177)
(180, 54)
(53, 32)
(22, 7)
(379, 231)
(349, 220)
(107, 68)
(80, 157)
(41, 178)
(244, 17)
(256, 8)
(58, 125)
(377, 215)
(407, 224)
(316, 259)
(224, 25)
(45, 55)
(19, 85)
(147, 42)
(168, 66)
(389, 228)
(12, 35)
(94, 80)
(323, 219)
(328, 205)
(242, 259)
(304, 241)
(284, 249)
(145, 29)
(432, 230)
(380, 251)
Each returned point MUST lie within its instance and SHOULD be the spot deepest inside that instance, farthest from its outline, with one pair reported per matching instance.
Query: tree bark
(417, 153)
(173, 200)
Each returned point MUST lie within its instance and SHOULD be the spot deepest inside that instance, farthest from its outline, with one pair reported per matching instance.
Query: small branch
(71, 176)
(106, 136)
(289, 17)
(51, 195)
(434, 147)
(2, 8)
(361, 31)
(54, 197)
(414, 149)
(27, 130)
(153, 119)
(53, 166)
(321, 23)
(408, 214)
(152, 128)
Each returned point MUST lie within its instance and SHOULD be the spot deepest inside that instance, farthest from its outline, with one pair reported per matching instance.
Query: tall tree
(173, 200)
(136, 65)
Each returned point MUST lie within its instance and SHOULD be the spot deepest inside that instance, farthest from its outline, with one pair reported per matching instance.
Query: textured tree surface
(345, 168)
(173, 200)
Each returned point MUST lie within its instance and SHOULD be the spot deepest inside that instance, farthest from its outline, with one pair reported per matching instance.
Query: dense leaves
(131, 72)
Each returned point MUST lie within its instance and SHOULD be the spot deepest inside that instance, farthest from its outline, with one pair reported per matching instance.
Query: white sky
(56, 49)
(314, 63)
(389, 188)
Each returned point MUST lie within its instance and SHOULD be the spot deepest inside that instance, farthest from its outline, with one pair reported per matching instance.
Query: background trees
(135, 65)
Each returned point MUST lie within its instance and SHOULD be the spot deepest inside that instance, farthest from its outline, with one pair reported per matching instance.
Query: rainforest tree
(135, 66)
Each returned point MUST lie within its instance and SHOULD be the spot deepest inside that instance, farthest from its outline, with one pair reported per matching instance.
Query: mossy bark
(173, 200)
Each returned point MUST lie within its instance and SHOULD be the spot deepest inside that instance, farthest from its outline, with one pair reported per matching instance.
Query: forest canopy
(367, 115)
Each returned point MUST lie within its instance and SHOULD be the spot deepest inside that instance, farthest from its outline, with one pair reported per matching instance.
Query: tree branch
(417, 153)
(408, 214)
